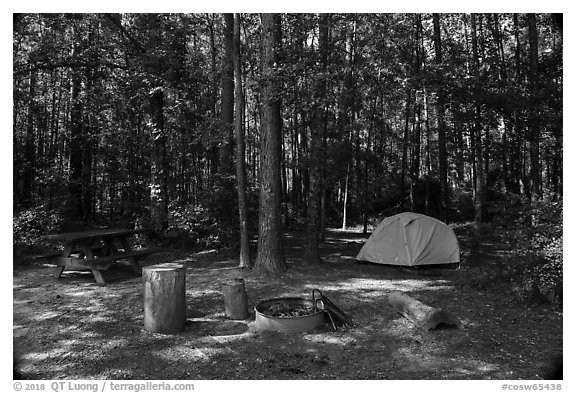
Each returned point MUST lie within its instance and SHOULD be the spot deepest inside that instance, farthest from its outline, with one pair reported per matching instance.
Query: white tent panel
(411, 239)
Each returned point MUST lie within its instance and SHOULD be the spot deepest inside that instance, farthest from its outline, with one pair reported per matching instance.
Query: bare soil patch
(73, 329)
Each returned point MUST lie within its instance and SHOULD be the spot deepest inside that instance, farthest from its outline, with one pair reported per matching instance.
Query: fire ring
(289, 314)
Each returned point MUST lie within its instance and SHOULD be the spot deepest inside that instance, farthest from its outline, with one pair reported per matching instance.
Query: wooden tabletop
(111, 232)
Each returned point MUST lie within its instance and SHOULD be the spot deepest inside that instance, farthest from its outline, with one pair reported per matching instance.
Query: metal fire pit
(304, 323)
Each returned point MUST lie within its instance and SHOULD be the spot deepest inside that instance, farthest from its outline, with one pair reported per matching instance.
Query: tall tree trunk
(87, 158)
(416, 125)
(227, 97)
(500, 47)
(240, 150)
(345, 202)
(442, 156)
(88, 205)
(76, 147)
(313, 211)
(459, 153)
(270, 258)
(325, 28)
(428, 162)
(533, 124)
(350, 106)
(515, 139)
(213, 96)
(480, 194)
(480, 201)
(312, 250)
(304, 168)
(158, 170)
(415, 154)
(406, 142)
(366, 198)
(27, 181)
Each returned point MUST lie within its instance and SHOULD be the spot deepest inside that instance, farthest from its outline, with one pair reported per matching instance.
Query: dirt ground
(73, 329)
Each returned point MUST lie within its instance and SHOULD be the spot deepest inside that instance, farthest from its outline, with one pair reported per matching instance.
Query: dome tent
(411, 239)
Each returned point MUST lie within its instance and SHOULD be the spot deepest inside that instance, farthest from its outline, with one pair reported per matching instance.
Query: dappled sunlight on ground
(71, 328)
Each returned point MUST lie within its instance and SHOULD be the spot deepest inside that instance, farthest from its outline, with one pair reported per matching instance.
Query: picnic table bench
(97, 250)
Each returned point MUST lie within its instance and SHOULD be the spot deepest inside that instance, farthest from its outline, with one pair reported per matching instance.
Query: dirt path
(72, 329)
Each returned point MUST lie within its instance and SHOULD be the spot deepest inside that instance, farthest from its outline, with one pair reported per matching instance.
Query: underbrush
(531, 264)
(213, 223)
(28, 227)
(543, 279)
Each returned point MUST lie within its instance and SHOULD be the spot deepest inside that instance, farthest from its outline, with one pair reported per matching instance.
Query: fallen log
(422, 315)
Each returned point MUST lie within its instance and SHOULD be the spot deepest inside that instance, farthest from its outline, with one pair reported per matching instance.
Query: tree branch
(26, 68)
(112, 18)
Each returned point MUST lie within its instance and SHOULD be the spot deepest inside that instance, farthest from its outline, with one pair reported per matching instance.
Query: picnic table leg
(132, 260)
(58, 271)
(60, 268)
(95, 272)
(98, 276)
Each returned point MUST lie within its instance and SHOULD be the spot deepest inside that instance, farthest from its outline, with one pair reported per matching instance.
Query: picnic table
(97, 250)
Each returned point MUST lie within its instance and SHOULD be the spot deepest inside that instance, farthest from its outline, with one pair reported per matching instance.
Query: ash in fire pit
(289, 314)
(288, 309)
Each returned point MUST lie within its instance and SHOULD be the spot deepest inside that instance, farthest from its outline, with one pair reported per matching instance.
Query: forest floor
(73, 329)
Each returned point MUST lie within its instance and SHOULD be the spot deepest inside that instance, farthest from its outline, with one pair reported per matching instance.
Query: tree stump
(420, 314)
(164, 298)
(235, 299)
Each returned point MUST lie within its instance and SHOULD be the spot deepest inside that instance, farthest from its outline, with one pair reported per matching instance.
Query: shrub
(197, 222)
(507, 210)
(462, 205)
(30, 224)
(535, 264)
(543, 279)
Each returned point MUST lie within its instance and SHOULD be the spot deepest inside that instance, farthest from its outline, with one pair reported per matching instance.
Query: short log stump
(164, 298)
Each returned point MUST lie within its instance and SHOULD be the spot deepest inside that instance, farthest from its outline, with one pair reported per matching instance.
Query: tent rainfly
(411, 239)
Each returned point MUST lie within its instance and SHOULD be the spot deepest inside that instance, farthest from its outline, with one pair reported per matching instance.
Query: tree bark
(270, 259)
(213, 154)
(476, 137)
(76, 146)
(442, 155)
(428, 162)
(240, 151)
(350, 106)
(533, 125)
(345, 202)
(480, 200)
(406, 142)
(29, 169)
(312, 250)
(514, 150)
(415, 154)
(88, 199)
(235, 299)
(158, 170)
(366, 200)
(164, 298)
(422, 315)
(417, 114)
(227, 97)
(325, 29)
